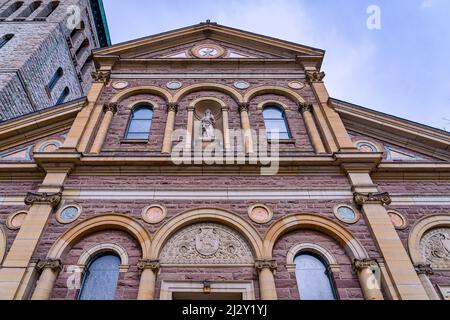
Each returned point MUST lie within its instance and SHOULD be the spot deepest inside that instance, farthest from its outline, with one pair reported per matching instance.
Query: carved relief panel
(435, 248)
(206, 244)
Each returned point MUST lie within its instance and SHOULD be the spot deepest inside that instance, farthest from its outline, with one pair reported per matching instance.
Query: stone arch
(2, 244)
(140, 90)
(308, 221)
(418, 231)
(207, 86)
(197, 101)
(87, 255)
(273, 89)
(219, 216)
(328, 256)
(97, 223)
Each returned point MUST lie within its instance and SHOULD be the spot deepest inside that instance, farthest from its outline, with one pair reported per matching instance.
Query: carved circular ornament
(68, 213)
(398, 220)
(48, 146)
(154, 213)
(366, 146)
(241, 85)
(174, 85)
(260, 213)
(16, 220)
(435, 248)
(296, 85)
(119, 85)
(346, 213)
(208, 51)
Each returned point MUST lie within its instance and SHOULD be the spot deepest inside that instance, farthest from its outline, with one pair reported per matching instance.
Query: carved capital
(172, 107)
(365, 198)
(101, 76)
(359, 265)
(424, 269)
(52, 199)
(244, 106)
(266, 264)
(54, 264)
(112, 107)
(148, 264)
(314, 76)
(304, 107)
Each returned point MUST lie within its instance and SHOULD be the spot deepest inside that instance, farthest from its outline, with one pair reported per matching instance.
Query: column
(50, 270)
(78, 135)
(266, 270)
(149, 270)
(172, 109)
(226, 130)
(305, 109)
(110, 110)
(246, 130)
(369, 276)
(424, 271)
(190, 128)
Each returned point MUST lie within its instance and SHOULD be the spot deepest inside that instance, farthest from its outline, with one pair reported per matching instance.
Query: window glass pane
(139, 126)
(273, 113)
(312, 279)
(137, 136)
(278, 136)
(101, 279)
(279, 125)
(142, 113)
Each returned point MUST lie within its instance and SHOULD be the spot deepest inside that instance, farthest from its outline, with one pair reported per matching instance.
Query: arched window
(5, 39)
(54, 80)
(86, 66)
(82, 49)
(11, 9)
(29, 10)
(77, 31)
(48, 10)
(140, 123)
(276, 124)
(63, 95)
(100, 280)
(313, 278)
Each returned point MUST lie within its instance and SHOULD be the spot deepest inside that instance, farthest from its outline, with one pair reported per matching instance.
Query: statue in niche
(208, 122)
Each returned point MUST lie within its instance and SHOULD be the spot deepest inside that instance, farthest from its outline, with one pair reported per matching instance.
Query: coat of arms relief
(206, 243)
(435, 248)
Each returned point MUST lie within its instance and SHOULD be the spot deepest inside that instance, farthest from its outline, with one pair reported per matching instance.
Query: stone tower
(45, 52)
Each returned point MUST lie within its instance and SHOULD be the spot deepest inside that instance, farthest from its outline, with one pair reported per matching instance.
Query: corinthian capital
(365, 198)
(244, 106)
(424, 269)
(54, 264)
(112, 106)
(359, 265)
(148, 264)
(266, 264)
(314, 76)
(52, 199)
(304, 107)
(101, 76)
(172, 107)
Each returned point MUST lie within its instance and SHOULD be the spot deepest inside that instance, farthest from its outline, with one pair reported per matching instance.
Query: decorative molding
(172, 107)
(435, 248)
(305, 107)
(54, 264)
(10, 222)
(111, 106)
(311, 248)
(362, 264)
(52, 199)
(377, 198)
(424, 269)
(244, 106)
(315, 76)
(266, 264)
(153, 265)
(101, 76)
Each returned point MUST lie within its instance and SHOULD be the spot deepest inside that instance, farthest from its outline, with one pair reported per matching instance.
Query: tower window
(11, 9)
(5, 39)
(82, 49)
(54, 80)
(48, 10)
(276, 124)
(140, 123)
(63, 95)
(29, 10)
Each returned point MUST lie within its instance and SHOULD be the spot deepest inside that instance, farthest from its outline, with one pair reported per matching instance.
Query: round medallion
(16, 220)
(49, 146)
(242, 85)
(173, 85)
(208, 51)
(364, 146)
(260, 213)
(398, 220)
(68, 213)
(119, 85)
(346, 214)
(154, 214)
(296, 85)
(207, 241)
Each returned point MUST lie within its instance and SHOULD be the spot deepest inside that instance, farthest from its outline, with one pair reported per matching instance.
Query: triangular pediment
(200, 41)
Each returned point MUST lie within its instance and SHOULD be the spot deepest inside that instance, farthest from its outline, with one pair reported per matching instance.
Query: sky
(392, 56)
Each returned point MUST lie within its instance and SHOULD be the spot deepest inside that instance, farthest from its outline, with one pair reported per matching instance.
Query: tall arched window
(5, 39)
(77, 31)
(54, 80)
(11, 9)
(100, 280)
(29, 10)
(48, 10)
(82, 49)
(63, 95)
(140, 123)
(313, 278)
(276, 123)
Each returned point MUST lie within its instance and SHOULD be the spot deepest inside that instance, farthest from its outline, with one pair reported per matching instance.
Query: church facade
(210, 163)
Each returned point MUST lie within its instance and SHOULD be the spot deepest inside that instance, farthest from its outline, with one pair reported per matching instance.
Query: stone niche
(435, 248)
(206, 244)
(208, 125)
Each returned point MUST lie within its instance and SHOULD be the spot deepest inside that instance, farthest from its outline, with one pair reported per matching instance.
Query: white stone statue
(208, 122)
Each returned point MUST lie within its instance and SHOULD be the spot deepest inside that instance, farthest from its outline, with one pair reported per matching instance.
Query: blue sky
(402, 69)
